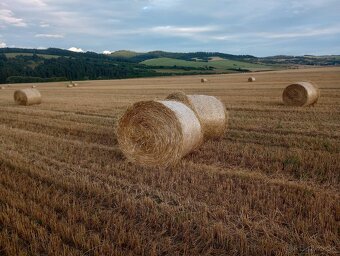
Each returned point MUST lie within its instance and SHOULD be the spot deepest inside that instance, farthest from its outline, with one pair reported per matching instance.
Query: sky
(256, 27)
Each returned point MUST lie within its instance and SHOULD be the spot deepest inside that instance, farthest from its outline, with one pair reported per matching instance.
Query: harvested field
(270, 186)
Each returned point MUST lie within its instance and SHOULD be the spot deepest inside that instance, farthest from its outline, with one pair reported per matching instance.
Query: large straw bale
(251, 79)
(301, 94)
(158, 133)
(27, 97)
(209, 110)
(204, 80)
(69, 85)
(2, 88)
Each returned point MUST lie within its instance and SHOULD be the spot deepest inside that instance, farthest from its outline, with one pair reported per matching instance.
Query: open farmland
(270, 186)
(221, 65)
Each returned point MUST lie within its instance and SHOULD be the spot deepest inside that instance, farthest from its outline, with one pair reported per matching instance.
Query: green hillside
(124, 54)
(220, 65)
(18, 65)
(15, 54)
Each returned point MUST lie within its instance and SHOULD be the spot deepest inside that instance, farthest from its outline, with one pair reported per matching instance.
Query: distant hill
(32, 65)
(125, 54)
(216, 64)
(53, 64)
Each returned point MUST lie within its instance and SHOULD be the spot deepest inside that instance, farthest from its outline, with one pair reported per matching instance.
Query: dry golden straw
(34, 86)
(158, 133)
(204, 80)
(2, 88)
(69, 85)
(301, 94)
(251, 79)
(209, 110)
(27, 97)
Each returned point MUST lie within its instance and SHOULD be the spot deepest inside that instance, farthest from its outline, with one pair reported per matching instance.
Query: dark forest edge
(51, 65)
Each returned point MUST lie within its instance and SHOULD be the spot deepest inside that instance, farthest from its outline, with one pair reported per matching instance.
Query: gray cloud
(49, 35)
(7, 17)
(257, 27)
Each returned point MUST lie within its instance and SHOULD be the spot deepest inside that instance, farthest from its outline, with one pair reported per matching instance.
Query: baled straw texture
(301, 94)
(251, 79)
(209, 110)
(27, 97)
(69, 85)
(158, 133)
(204, 80)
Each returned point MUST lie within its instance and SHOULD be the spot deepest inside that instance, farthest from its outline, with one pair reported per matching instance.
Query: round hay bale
(209, 110)
(251, 79)
(158, 133)
(2, 88)
(204, 80)
(69, 85)
(27, 97)
(301, 94)
(75, 84)
(34, 86)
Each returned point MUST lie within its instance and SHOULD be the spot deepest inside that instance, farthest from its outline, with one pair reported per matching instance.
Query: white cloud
(191, 32)
(75, 49)
(44, 25)
(179, 30)
(49, 35)
(7, 16)
(295, 33)
(107, 52)
(33, 3)
(160, 4)
(2, 45)
(305, 33)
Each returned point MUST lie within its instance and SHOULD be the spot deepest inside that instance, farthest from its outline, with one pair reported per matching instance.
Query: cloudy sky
(258, 27)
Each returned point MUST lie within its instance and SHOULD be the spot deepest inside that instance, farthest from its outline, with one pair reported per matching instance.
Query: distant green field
(124, 53)
(14, 54)
(182, 71)
(217, 64)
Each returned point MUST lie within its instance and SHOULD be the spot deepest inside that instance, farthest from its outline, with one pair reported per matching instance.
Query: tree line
(35, 68)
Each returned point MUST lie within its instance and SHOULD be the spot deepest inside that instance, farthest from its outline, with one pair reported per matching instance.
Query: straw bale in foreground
(158, 133)
(27, 97)
(210, 111)
(301, 94)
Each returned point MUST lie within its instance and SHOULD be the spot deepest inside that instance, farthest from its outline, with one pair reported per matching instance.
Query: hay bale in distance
(34, 86)
(251, 79)
(158, 133)
(209, 110)
(69, 85)
(204, 80)
(2, 88)
(27, 97)
(301, 94)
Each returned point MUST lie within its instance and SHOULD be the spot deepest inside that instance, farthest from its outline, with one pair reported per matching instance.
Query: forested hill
(27, 65)
(34, 65)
